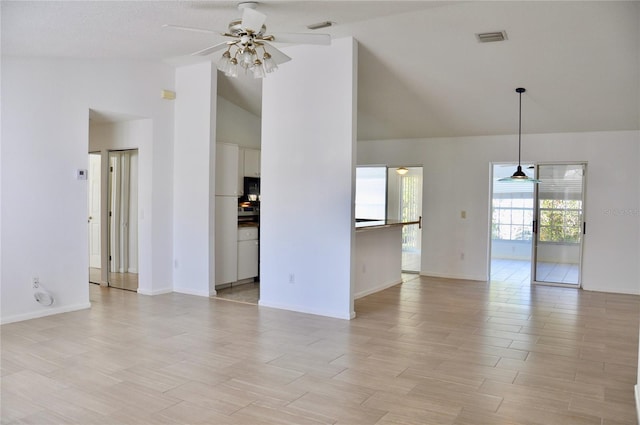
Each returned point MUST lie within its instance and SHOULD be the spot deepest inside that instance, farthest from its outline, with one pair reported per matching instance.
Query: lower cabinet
(248, 252)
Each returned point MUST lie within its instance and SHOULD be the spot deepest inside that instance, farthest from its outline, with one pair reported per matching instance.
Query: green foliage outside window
(560, 220)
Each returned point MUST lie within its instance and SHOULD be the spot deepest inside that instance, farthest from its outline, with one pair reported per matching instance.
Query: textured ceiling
(421, 71)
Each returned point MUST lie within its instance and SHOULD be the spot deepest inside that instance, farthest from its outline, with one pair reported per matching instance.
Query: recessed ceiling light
(319, 25)
(488, 37)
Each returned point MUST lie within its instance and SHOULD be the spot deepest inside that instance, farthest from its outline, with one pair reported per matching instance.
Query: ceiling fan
(249, 34)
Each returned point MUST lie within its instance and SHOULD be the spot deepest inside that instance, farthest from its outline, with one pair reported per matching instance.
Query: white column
(308, 178)
(194, 152)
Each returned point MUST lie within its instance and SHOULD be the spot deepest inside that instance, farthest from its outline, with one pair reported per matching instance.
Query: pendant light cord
(520, 91)
(520, 128)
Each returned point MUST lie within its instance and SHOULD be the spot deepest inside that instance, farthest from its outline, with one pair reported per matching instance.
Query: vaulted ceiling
(422, 72)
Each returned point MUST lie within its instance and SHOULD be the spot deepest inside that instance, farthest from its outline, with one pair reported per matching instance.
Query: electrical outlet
(36, 282)
(462, 255)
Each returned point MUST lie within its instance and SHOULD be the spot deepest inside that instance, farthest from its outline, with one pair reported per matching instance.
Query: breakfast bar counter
(378, 254)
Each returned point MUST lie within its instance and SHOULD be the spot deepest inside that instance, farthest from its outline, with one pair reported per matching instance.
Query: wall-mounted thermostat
(81, 174)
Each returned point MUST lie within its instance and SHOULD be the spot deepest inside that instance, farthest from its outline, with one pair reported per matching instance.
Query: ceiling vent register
(490, 37)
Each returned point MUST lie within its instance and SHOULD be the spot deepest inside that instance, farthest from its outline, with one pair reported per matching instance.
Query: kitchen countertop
(364, 224)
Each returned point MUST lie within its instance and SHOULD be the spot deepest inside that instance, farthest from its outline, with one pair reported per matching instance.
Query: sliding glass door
(559, 225)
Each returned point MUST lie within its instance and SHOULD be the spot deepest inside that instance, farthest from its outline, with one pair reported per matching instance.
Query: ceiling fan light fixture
(519, 176)
(258, 69)
(248, 35)
(269, 64)
(224, 64)
(232, 70)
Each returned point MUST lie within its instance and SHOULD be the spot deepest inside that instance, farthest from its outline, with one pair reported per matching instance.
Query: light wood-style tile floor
(520, 271)
(428, 351)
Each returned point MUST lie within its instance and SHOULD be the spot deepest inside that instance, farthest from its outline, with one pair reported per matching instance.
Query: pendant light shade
(519, 175)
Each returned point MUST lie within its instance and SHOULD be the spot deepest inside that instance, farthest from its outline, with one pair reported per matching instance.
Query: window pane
(517, 216)
(371, 192)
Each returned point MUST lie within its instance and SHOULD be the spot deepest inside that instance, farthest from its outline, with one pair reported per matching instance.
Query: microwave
(252, 187)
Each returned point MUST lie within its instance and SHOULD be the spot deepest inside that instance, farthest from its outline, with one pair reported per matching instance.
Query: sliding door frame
(536, 226)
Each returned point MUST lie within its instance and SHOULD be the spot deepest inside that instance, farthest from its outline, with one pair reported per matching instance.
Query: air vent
(489, 37)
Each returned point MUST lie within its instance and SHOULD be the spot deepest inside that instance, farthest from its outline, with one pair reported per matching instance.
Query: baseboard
(44, 313)
(188, 291)
(306, 310)
(477, 278)
(376, 289)
(156, 292)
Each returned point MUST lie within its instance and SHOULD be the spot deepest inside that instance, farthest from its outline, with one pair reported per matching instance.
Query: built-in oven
(248, 212)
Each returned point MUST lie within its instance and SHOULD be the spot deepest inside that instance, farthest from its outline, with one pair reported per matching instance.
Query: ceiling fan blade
(277, 55)
(212, 49)
(302, 38)
(193, 29)
(252, 20)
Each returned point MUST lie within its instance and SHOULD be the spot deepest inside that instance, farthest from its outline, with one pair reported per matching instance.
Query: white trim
(307, 310)
(378, 288)
(44, 313)
(156, 292)
(189, 291)
(637, 391)
(477, 278)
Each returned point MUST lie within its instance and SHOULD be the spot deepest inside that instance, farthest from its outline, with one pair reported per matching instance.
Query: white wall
(193, 186)
(308, 180)
(237, 126)
(456, 178)
(45, 111)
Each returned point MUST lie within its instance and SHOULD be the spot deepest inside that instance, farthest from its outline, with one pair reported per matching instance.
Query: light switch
(463, 214)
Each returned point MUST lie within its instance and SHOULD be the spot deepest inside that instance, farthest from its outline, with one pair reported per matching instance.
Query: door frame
(536, 216)
(492, 180)
(107, 255)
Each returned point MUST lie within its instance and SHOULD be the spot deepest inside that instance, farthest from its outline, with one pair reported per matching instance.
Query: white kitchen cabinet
(227, 169)
(241, 172)
(248, 252)
(252, 163)
(226, 239)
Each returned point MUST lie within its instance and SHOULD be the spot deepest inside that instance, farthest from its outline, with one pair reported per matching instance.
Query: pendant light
(519, 175)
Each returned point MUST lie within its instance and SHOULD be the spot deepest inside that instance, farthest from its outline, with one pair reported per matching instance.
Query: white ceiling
(421, 71)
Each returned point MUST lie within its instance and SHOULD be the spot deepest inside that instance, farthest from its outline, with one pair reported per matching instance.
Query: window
(371, 193)
(560, 220)
(512, 217)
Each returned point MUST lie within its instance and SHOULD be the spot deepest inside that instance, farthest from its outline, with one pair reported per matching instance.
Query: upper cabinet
(227, 169)
(251, 163)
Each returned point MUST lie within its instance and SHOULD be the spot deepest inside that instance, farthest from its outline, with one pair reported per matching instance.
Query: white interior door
(94, 210)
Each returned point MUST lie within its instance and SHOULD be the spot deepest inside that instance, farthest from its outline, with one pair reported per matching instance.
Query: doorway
(123, 219)
(511, 225)
(537, 230)
(94, 220)
(404, 203)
